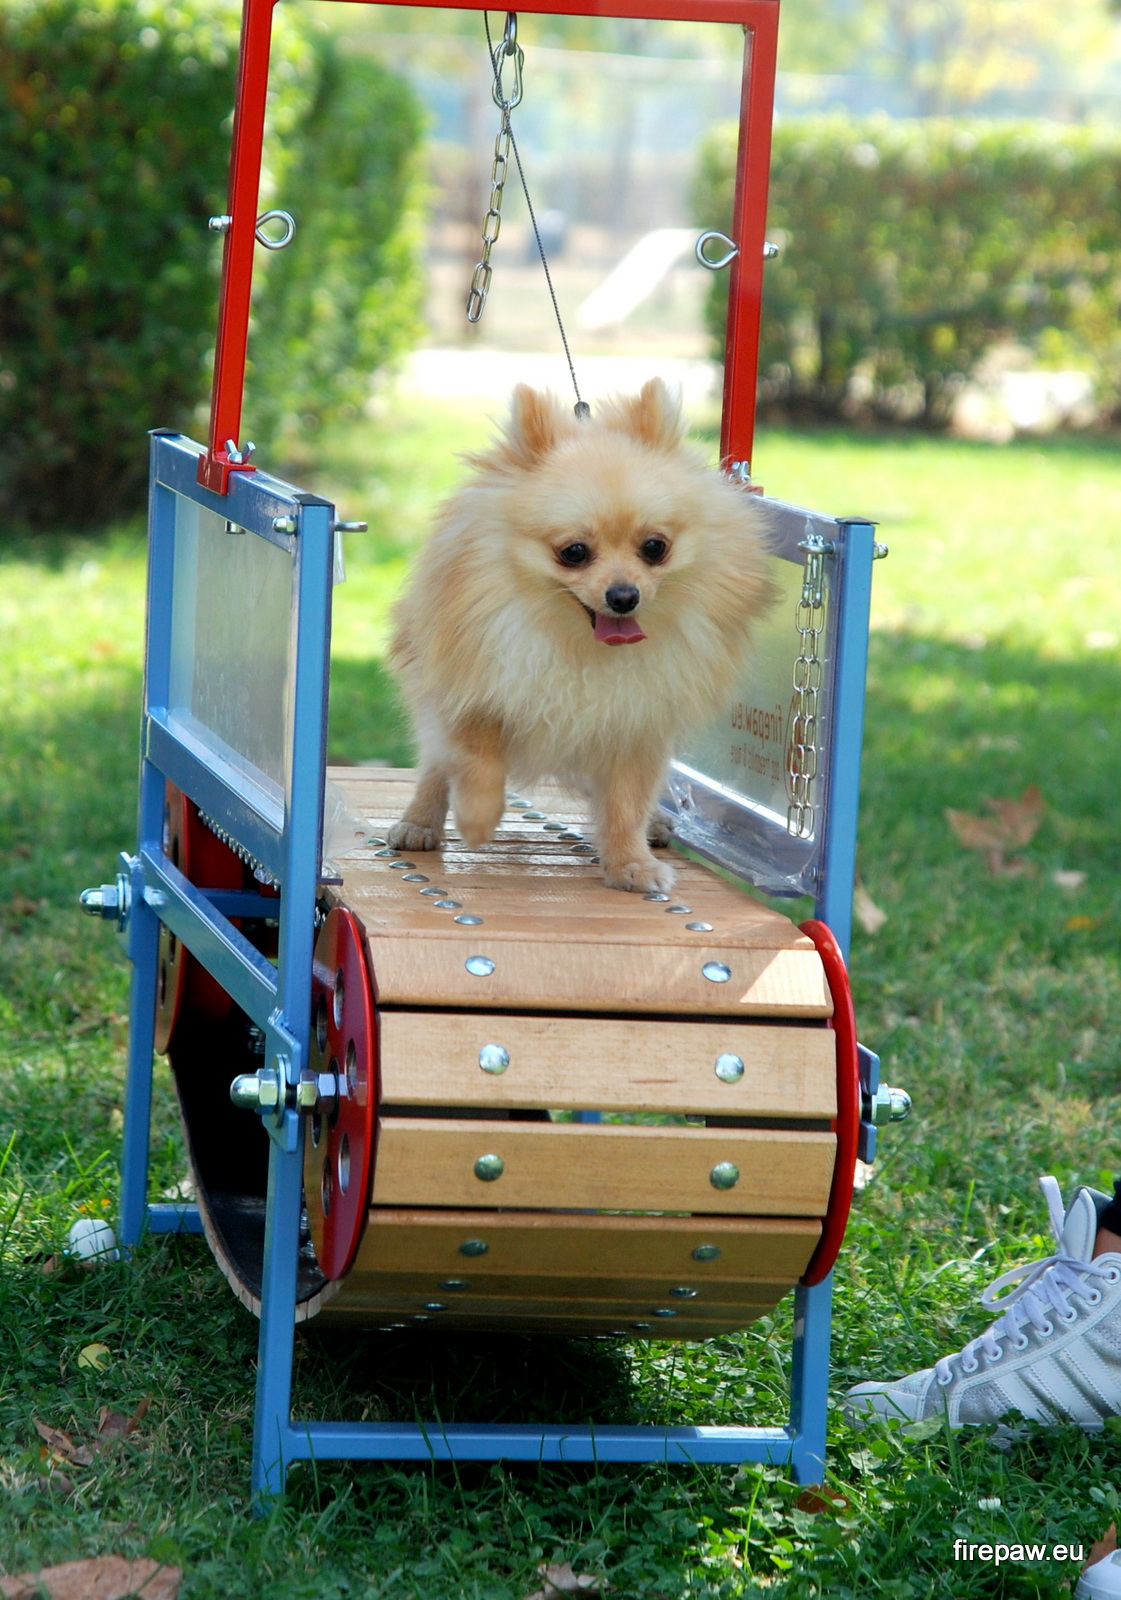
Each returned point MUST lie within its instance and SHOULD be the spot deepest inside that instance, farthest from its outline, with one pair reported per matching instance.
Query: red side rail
(759, 19)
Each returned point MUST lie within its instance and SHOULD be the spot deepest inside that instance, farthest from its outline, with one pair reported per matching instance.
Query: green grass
(995, 1001)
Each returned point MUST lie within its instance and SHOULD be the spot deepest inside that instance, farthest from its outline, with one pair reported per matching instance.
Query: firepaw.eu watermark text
(998, 1554)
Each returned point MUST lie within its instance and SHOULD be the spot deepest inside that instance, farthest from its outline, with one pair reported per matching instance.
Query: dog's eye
(653, 550)
(574, 555)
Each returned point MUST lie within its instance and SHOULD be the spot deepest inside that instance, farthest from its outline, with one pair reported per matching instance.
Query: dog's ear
(653, 416)
(536, 425)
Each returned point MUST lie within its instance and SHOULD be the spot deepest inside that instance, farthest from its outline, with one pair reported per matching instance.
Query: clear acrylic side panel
(731, 791)
(232, 653)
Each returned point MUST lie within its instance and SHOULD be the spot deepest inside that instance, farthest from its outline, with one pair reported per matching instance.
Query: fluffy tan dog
(573, 537)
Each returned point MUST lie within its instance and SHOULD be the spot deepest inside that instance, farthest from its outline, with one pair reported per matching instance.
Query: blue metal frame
(279, 999)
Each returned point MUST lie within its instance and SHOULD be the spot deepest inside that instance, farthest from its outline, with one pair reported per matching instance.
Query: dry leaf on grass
(100, 1578)
(562, 1580)
(111, 1426)
(818, 1497)
(96, 1356)
(1013, 824)
(870, 916)
(61, 1447)
(1105, 1546)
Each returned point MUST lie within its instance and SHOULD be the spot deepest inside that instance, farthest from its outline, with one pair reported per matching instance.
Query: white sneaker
(1054, 1355)
(1102, 1581)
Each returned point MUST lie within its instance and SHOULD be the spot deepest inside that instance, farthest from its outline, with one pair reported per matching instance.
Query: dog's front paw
(645, 876)
(406, 835)
(659, 830)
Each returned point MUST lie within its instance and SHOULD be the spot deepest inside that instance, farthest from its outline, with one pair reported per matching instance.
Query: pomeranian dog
(573, 537)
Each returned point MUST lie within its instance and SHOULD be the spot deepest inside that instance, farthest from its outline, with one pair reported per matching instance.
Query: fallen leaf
(100, 1578)
(97, 1356)
(62, 1446)
(1013, 824)
(1082, 924)
(113, 1425)
(869, 915)
(818, 1497)
(1105, 1546)
(562, 1580)
(55, 1481)
(1068, 880)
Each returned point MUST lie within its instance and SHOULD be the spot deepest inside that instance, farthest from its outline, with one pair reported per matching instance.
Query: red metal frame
(759, 19)
(846, 1125)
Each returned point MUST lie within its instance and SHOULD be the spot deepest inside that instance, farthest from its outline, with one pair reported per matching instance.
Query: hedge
(910, 248)
(114, 151)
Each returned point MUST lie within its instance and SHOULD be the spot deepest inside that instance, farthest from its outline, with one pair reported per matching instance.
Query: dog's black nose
(621, 598)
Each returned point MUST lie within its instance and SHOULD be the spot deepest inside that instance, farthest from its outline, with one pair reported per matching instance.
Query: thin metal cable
(583, 410)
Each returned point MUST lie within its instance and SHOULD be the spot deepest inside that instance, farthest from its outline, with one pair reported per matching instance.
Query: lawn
(996, 1000)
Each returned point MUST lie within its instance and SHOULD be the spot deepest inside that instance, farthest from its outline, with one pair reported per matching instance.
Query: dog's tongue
(617, 630)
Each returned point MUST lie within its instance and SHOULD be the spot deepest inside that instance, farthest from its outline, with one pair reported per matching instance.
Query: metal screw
(479, 966)
(664, 1311)
(490, 1167)
(729, 1068)
(474, 1247)
(879, 551)
(452, 1284)
(641, 1327)
(447, 905)
(220, 224)
(682, 1293)
(698, 927)
(433, 891)
(435, 1305)
(534, 816)
(707, 1252)
(284, 525)
(413, 877)
(350, 527)
(493, 1058)
(725, 1175)
(716, 971)
(468, 919)
(655, 896)
(685, 911)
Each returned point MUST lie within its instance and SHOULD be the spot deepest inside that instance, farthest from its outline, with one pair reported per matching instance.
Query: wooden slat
(479, 1291)
(534, 1243)
(500, 1319)
(430, 1161)
(432, 971)
(432, 1059)
(657, 1311)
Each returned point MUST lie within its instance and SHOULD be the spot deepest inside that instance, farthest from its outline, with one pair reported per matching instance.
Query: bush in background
(111, 159)
(910, 248)
(345, 296)
(114, 150)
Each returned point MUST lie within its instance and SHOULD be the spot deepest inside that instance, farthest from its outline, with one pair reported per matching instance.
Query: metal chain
(801, 750)
(492, 222)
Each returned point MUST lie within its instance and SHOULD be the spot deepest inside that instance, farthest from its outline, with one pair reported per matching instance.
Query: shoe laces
(1034, 1291)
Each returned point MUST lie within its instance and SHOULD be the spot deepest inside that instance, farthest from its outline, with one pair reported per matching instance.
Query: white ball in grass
(92, 1240)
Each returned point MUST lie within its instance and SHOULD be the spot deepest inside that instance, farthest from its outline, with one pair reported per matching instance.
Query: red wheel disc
(339, 1138)
(183, 984)
(847, 1123)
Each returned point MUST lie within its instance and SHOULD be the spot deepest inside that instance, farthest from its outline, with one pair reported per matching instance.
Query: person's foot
(1054, 1355)
(1101, 1576)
